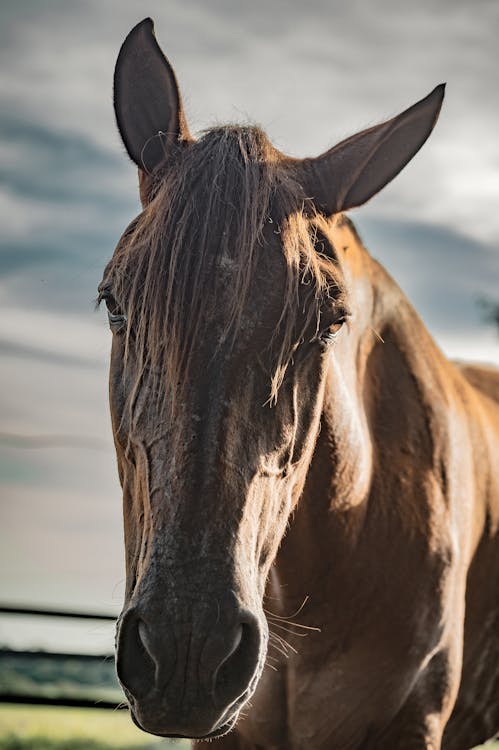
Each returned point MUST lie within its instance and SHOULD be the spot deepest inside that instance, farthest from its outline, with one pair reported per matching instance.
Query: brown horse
(297, 456)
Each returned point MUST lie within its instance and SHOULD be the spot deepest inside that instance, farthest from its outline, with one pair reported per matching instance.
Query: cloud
(71, 336)
(64, 201)
(51, 164)
(26, 352)
(34, 442)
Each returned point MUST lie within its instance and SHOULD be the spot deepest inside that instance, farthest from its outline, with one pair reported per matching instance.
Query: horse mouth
(214, 735)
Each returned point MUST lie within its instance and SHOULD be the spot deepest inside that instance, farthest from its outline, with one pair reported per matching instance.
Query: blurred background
(310, 74)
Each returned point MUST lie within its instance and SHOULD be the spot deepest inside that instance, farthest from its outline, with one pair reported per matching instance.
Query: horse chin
(215, 734)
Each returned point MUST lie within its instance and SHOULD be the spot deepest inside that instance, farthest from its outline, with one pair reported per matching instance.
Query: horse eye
(333, 330)
(116, 317)
(329, 333)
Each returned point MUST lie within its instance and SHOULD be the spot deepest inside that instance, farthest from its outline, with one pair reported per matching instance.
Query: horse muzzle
(187, 673)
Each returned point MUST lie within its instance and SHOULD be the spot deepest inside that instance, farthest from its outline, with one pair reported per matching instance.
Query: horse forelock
(199, 244)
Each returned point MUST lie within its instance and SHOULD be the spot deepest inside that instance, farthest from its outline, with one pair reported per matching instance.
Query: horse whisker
(287, 630)
(273, 619)
(285, 642)
(288, 617)
(280, 651)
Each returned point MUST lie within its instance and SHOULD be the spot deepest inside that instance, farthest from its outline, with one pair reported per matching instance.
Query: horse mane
(201, 236)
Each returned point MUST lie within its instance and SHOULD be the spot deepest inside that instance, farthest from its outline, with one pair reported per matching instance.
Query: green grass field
(47, 728)
(52, 728)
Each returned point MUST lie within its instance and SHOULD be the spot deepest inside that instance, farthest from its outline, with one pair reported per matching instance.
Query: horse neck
(382, 383)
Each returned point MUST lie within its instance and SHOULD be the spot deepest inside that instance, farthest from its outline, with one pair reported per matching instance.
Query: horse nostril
(235, 671)
(134, 663)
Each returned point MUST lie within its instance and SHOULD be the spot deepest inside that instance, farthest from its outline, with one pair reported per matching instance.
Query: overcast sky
(310, 74)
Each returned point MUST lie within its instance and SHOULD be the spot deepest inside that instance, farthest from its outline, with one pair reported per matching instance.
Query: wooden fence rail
(16, 610)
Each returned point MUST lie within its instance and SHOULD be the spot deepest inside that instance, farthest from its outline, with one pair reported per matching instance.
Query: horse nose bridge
(185, 489)
(187, 446)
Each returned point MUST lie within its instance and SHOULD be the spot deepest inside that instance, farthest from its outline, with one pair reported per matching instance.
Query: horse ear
(147, 100)
(356, 169)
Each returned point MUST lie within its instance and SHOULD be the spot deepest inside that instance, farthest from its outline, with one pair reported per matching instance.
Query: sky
(310, 74)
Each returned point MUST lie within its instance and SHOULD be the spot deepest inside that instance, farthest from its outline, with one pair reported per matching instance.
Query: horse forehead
(268, 280)
(257, 311)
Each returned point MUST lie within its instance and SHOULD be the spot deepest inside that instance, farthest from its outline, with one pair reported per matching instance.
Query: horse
(310, 488)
